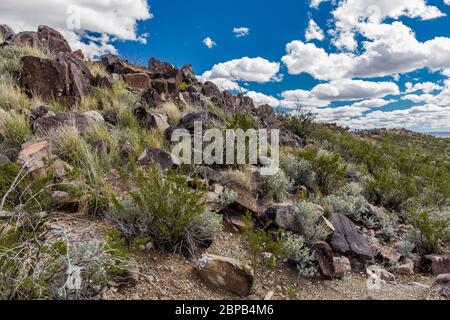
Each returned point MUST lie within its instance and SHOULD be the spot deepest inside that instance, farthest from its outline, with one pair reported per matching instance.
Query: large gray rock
(225, 273)
(349, 241)
(6, 32)
(282, 215)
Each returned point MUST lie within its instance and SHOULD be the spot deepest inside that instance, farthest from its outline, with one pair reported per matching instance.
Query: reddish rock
(137, 81)
(33, 157)
(67, 119)
(406, 269)
(324, 257)
(52, 40)
(225, 273)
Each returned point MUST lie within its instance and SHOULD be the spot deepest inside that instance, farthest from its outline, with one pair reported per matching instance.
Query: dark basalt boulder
(164, 159)
(324, 256)
(349, 241)
(66, 78)
(114, 64)
(81, 121)
(52, 40)
(46, 38)
(137, 81)
(152, 98)
(188, 75)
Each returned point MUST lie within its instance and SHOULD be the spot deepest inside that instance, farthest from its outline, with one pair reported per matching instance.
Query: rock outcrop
(225, 273)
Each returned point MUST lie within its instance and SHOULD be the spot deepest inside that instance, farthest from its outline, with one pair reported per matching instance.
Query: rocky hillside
(94, 205)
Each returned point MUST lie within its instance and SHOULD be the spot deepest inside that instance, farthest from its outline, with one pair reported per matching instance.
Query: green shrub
(276, 187)
(242, 121)
(300, 171)
(433, 226)
(264, 248)
(167, 210)
(294, 249)
(313, 226)
(329, 168)
(15, 130)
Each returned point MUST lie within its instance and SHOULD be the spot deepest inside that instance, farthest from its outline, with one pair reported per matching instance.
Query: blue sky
(368, 63)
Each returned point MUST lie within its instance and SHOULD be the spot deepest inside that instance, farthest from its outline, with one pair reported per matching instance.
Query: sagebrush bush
(313, 226)
(165, 209)
(227, 197)
(276, 187)
(300, 171)
(31, 268)
(14, 130)
(349, 201)
(294, 249)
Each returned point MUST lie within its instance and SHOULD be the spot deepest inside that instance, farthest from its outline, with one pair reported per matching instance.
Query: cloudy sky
(361, 63)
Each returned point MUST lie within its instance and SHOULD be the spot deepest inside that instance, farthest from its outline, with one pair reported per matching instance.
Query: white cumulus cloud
(241, 32)
(313, 32)
(210, 43)
(74, 18)
(259, 99)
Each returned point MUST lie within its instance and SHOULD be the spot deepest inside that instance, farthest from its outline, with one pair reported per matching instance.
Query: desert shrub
(301, 122)
(243, 121)
(173, 113)
(329, 168)
(264, 248)
(349, 201)
(432, 226)
(14, 130)
(313, 226)
(227, 197)
(165, 209)
(300, 171)
(32, 268)
(294, 249)
(242, 177)
(386, 229)
(406, 247)
(391, 189)
(276, 187)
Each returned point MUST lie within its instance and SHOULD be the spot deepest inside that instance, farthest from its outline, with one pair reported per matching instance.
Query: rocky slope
(78, 144)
